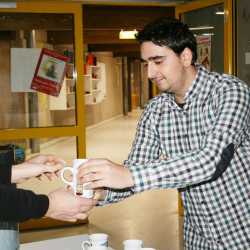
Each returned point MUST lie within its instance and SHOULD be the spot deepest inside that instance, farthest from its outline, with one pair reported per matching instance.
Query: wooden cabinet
(95, 84)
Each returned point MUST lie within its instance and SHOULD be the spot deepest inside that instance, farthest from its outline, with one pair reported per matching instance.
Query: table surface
(63, 243)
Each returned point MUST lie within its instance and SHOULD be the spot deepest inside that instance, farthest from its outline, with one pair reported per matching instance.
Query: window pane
(22, 37)
(243, 40)
(209, 22)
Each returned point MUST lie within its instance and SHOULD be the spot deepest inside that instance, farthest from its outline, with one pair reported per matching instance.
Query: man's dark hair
(171, 33)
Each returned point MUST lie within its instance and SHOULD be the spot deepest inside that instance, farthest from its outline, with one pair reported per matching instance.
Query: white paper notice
(247, 57)
(23, 64)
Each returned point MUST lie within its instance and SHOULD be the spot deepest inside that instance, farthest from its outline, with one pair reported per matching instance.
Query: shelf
(95, 84)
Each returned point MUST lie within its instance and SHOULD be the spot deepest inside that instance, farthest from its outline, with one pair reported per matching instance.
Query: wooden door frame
(77, 130)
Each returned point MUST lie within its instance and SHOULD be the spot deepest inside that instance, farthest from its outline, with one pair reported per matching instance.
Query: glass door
(212, 23)
(42, 100)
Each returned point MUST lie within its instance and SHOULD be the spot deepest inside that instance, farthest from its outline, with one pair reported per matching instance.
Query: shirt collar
(193, 90)
(197, 83)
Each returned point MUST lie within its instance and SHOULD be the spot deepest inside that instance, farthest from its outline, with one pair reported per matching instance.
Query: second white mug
(98, 241)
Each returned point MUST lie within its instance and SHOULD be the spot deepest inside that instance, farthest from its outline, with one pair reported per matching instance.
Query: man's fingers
(93, 165)
(91, 177)
(97, 184)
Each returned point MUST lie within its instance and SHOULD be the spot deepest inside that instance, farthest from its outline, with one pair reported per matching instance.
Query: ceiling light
(208, 34)
(127, 34)
(7, 5)
(202, 28)
(219, 12)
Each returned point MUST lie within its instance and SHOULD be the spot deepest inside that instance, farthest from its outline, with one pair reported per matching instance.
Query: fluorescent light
(7, 5)
(202, 28)
(127, 34)
(219, 12)
(208, 34)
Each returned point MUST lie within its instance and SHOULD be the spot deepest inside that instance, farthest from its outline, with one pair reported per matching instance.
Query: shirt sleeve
(6, 160)
(145, 149)
(232, 116)
(19, 205)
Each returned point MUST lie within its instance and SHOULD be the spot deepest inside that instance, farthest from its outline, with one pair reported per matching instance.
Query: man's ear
(186, 57)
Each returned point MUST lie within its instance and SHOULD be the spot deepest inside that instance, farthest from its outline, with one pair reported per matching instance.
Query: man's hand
(104, 173)
(64, 205)
(37, 166)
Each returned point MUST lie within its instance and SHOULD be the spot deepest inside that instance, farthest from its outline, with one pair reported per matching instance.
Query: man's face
(164, 67)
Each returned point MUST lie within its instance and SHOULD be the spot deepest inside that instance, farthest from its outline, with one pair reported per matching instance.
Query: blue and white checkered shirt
(203, 149)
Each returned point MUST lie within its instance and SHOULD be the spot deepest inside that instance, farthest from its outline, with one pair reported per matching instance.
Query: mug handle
(62, 175)
(86, 243)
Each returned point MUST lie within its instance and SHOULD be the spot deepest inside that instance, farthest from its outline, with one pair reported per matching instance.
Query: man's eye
(158, 62)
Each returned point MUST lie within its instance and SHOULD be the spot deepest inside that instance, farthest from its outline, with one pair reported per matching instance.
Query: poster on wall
(204, 50)
(50, 72)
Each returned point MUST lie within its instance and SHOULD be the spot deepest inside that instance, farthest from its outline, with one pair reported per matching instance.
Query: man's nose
(151, 71)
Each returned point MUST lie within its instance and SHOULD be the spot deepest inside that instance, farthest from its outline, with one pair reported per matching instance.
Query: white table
(64, 243)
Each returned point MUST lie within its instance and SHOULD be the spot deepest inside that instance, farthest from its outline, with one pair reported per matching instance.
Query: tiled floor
(151, 216)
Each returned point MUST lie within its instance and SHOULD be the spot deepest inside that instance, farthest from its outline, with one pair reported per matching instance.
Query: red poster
(50, 72)
(204, 50)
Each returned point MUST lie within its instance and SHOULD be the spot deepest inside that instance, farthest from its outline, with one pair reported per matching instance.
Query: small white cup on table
(132, 244)
(98, 241)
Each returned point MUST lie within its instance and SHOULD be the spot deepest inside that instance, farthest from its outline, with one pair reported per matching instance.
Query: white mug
(132, 244)
(79, 189)
(98, 241)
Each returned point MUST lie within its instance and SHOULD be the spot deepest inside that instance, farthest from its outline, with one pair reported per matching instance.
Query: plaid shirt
(203, 149)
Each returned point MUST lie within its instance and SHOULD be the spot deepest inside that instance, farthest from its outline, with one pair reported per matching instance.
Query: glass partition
(208, 26)
(22, 38)
(243, 40)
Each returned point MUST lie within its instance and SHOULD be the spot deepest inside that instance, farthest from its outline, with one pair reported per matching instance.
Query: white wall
(112, 104)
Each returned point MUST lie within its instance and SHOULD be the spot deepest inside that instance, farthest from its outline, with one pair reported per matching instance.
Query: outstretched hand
(48, 165)
(104, 173)
(64, 205)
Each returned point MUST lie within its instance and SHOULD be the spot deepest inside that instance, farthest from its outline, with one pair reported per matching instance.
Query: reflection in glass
(22, 36)
(208, 26)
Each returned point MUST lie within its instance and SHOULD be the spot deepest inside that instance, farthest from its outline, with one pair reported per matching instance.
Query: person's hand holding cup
(78, 189)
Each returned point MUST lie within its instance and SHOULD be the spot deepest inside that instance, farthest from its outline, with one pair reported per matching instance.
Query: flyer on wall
(204, 50)
(50, 72)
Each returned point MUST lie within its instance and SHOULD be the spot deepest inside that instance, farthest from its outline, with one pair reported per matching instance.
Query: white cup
(132, 244)
(98, 241)
(98, 248)
(79, 189)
